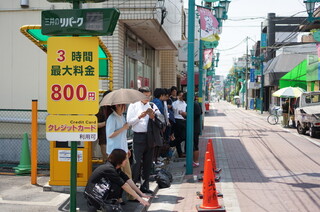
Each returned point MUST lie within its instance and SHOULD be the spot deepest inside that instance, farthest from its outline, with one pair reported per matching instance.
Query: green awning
(35, 35)
(297, 77)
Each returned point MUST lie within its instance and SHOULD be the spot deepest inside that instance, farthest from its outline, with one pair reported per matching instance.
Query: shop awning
(279, 66)
(33, 33)
(296, 77)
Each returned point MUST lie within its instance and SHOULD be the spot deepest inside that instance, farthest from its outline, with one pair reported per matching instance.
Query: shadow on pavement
(214, 112)
(168, 198)
(82, 205)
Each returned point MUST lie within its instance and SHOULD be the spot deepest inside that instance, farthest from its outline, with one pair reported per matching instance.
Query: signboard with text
(71, 128)
(73, 75)
(97, 21)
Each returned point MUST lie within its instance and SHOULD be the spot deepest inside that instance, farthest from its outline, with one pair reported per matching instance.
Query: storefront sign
(97, 21)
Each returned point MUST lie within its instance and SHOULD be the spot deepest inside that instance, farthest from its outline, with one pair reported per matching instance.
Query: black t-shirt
(116, 177)
(285, 107)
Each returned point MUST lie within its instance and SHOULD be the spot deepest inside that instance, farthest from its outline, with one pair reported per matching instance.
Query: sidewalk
(264, 168)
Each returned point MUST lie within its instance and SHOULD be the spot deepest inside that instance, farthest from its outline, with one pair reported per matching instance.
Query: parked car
(307, 113)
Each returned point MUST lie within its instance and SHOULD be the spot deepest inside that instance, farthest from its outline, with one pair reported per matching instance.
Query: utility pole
(246, 77)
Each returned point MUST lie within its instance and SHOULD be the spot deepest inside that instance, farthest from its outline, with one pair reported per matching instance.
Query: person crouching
(119, 181)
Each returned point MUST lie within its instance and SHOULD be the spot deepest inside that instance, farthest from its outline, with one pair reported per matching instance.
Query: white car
(307, 113)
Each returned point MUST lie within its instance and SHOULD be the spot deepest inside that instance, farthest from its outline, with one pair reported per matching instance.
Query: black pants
(142, 158)
(179, 134)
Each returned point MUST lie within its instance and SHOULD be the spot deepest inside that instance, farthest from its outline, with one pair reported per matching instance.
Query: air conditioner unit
(24, 3)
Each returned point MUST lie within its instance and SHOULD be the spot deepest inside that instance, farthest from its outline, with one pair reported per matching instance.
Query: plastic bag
(166, 172)
(163, 178)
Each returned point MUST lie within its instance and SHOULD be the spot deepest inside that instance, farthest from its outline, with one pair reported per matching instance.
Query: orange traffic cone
(199, 194)
(210, 199)
(213, 160)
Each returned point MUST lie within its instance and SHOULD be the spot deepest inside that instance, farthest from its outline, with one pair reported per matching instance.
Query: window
(139, 62)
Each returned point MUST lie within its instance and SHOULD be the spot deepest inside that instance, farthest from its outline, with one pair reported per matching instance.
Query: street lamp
(218, 12)
(225, 4)
(310, 5)
(215, 60)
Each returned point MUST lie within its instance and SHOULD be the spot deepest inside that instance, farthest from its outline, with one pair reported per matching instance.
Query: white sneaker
(158, 163)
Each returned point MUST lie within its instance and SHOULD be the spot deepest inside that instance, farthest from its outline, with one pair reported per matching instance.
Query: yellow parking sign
(73, 75)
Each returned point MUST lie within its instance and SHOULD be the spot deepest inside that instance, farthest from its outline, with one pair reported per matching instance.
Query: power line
(233, 46)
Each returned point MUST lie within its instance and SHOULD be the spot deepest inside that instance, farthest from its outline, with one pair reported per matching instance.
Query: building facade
(142, 47)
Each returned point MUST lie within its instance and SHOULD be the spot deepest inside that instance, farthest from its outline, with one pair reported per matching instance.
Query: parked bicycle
(273, 118)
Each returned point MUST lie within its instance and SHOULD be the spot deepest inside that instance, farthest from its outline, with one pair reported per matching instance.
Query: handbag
(160, 121)
(99, 192)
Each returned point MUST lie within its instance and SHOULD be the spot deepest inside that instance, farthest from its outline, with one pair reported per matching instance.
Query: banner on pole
(208, 24)
(207, 58)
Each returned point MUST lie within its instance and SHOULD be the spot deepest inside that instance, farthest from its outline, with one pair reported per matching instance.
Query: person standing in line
(102, 116)
(173, 93)
(116, 132)
(159, 97)
(179, 108)
(138, 116)
(197, 130)
(172, 120)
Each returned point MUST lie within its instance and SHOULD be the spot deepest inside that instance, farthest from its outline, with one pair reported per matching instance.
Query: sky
(244, 19)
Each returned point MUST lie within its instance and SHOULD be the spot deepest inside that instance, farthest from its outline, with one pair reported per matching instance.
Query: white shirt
(179, 106)
(135, 110)
(166, 113)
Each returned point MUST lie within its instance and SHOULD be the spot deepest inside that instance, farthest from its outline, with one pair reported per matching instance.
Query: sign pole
(73, 178)
(76, 4)
(73, 163)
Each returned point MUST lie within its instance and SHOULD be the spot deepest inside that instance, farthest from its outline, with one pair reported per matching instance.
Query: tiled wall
(115, 44)
(168, 68)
